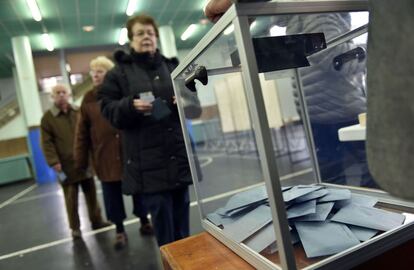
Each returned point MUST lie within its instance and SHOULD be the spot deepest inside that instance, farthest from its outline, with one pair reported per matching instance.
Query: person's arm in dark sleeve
(333, 25)
(115, 107)
(48, 143)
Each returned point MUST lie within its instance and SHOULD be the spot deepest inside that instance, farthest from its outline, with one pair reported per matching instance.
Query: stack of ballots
(325, 220)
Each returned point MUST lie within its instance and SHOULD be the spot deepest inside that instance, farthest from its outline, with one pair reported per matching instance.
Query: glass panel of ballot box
(272, 103)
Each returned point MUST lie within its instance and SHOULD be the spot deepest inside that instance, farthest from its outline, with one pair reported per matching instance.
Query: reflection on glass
(334, 90)
(222, 137)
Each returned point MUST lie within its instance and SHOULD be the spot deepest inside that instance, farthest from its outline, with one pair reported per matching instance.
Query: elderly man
(57, 130)
(95, 135)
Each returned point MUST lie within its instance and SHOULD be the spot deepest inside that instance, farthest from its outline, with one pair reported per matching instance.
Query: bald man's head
(60, 94)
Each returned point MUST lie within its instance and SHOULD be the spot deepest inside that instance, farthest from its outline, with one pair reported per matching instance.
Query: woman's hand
(142, 106)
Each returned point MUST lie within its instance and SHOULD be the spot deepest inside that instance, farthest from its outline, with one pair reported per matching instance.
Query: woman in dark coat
(97, 139)
(156, 164)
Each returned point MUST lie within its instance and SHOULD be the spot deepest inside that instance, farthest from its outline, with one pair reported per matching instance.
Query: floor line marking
(17, 196)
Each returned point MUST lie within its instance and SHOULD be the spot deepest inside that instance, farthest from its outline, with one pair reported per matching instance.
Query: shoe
(100, 225)
(121, 240)
(76, 234)
(146, 229)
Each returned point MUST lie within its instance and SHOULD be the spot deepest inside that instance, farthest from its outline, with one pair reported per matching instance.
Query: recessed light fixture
(132, 4)
(88, 28)
(47, 42)
(189, 31)
(68, 68)
(204, 21)
(34, 9)
(123, 36)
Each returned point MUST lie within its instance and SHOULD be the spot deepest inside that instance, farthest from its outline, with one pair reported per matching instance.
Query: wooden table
(203, 251)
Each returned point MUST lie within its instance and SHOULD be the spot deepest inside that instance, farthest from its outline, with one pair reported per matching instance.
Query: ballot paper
(324, 238)
(368, 217)
(262, 239)
(359, 199)
(335, 194)
(326, 220)
(246, 198)
(363, 234)
(298, 191)
(322, 212)
(215, 219)
(219, 220)
(408, 218)
(286, 188)
(248, 224)
(301, 209)
(311, 196)
(273, 247)
(244, 210)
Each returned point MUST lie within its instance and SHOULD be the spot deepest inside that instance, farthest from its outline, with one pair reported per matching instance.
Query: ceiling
(63, 20)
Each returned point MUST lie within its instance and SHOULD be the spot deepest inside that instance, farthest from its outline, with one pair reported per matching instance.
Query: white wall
(7, 90)
(16, 128)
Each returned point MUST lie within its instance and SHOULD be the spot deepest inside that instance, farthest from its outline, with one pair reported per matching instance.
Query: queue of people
(115, 136)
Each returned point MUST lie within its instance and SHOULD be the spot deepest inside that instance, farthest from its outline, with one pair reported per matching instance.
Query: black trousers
(114, 203)
(170, 214)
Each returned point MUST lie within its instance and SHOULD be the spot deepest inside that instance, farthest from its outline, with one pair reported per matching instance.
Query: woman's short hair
(142, 19)
(102, 62)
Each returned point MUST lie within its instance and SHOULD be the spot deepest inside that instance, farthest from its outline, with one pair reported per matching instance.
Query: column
(62, 66)
(167, 40)
(30, 106)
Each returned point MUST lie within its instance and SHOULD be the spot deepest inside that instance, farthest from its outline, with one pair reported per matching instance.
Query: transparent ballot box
(264, 99)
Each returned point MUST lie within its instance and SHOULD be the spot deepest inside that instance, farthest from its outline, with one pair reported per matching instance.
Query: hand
(216, 8)
(142, 106)
(57, 167)
(174, 100)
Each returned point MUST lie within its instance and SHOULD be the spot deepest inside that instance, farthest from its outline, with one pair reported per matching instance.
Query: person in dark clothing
(58, 130)
(95, 136)
(156, 163)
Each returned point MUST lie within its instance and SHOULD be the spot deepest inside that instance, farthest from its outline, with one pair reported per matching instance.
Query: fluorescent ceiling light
(123, 36)
(34, 9)
(132, 4)
(204, 21)
(47, 41)
(88, 28)
(229, 30)
(277, 31)
(189, 31)
(68, 68)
